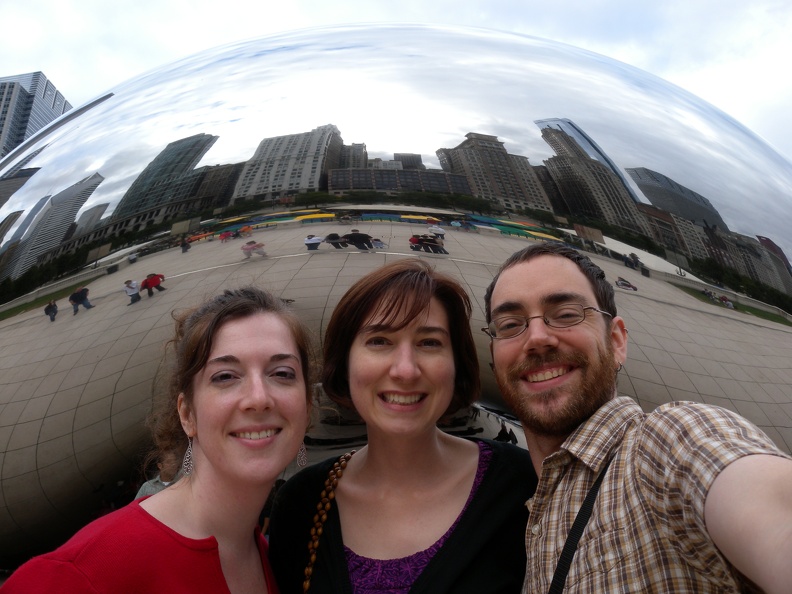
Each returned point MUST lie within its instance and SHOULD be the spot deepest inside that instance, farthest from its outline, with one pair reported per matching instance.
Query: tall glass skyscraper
(28, 102)
(585, 142)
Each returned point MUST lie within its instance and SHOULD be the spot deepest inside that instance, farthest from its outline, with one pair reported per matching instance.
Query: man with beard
(693, 498)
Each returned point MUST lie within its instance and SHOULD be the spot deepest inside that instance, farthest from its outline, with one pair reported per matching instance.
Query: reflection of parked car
(154, 247)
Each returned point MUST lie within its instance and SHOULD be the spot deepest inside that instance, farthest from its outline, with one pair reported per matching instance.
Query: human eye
(506, 325)
(223, 377)
(566, 314)
(432, 342)
(284, 373)
(377, 341)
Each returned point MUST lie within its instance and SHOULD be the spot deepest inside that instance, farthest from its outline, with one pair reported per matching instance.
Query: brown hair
(400, 291)
(191, 345)
(603, 290)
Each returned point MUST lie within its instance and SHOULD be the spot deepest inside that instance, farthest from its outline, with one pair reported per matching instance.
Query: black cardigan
(485, 553)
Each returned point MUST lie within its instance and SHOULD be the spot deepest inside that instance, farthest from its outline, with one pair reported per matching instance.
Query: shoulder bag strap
(570, 546)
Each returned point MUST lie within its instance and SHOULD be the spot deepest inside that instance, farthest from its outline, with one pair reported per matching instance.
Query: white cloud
(729, 52)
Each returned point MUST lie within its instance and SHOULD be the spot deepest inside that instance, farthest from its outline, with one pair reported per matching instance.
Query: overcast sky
(734, 54)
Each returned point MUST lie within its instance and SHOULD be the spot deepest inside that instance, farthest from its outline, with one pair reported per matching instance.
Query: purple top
(396, 576)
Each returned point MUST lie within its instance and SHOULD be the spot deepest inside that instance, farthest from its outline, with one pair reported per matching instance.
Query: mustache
(534, 361)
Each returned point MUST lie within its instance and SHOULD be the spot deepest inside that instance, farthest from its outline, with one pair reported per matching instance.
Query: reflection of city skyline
(580, 180)
(417, 100)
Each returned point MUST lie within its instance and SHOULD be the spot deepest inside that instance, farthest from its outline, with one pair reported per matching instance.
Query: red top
(128, 552)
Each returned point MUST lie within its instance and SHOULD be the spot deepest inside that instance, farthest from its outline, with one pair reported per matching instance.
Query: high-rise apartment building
(410, 161)
(589, 187)
(494, 174)
(287, 165)
(168, 179)
(49, 225)
(663, 192)
(28, 102)
(354, 156)
(582, 146)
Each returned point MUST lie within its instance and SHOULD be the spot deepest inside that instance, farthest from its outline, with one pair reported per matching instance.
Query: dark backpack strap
(570, 546)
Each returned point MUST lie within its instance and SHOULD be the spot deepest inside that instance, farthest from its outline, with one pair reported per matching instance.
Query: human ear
(618, 338)
(186, 415)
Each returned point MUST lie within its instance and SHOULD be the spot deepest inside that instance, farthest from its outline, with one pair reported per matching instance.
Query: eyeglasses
(560, 316)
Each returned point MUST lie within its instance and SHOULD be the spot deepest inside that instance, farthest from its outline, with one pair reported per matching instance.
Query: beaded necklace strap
(324, 505)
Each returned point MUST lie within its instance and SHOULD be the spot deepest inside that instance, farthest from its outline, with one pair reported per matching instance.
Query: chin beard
(597, 386)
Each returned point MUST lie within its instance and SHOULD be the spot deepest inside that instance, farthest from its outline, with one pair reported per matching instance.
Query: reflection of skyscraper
(286, 165)
(28, 102)
(589, 187)
(11, 182)
(410, 160)
(494, 174)
(90, 218)
(583, 146)
(168, 179)
(354, 156)
(663, 192)
(8, 222)
(50, 225)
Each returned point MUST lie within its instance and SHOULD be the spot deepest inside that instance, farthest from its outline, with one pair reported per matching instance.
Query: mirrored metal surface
(413, 90)
(75, 392)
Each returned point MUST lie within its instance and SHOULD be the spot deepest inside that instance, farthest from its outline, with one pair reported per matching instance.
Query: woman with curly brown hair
(237, 408)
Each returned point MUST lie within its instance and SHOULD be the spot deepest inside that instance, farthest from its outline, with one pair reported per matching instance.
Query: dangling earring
(620, 367)
(302, 456)
(187, 464)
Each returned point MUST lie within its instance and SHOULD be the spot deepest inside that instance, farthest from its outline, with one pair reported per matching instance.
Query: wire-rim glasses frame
(564, 315)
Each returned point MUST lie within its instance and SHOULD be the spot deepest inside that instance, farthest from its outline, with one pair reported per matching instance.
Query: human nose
(538, 335)
(258, 395)
(404, 364)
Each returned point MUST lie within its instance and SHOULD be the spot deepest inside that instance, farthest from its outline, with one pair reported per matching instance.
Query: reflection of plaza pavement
(74, 393)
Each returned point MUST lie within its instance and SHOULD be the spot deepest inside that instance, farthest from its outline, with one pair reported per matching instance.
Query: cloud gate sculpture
(376, 108)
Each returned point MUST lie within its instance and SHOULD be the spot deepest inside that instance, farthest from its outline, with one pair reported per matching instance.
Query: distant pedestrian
(152, 281)
(131, 289)
(312, 242)
(80, 297)
(437, 231)
(361, 241)
(335, 240)
(253, 247)
(246, 231)
(225, 236)
(185, 246)
(51, 310)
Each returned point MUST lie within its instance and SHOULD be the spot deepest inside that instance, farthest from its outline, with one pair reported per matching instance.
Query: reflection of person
(437, 231)
(418, 509)
(312, 242)
(51, 310)
(80, 297)
(237, 403)
(335, 240)
(151, 282)
(361, 241)
(168, 465)
(131, 289)
(693, 495)
(253, 247)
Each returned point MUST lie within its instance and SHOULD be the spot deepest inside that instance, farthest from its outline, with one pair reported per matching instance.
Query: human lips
(262, 434)
(401, 399)
(546, 374)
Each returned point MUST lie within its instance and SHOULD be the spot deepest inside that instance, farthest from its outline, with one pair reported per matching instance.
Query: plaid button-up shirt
(647, 532)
